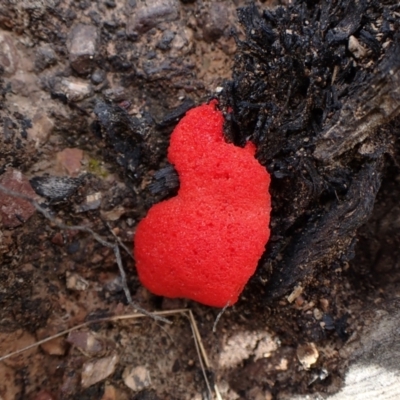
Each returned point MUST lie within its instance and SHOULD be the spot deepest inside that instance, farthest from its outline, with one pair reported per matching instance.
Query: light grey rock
(45, 57)
(214, 22)
(94, 371)
(150, 14)
(8, 54)
(83, 47)
(136, 378)
(73, 89)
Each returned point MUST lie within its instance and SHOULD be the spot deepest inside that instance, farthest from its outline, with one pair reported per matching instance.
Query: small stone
(181, 40)
(110, 393)
(41, 129)
(45, 57)
(76, 282)
(114, 285)
(98, 370)
(92, 202)
(9, 58)
(136, 378)
(69, 161)
(88, 343)
(15, 211)
(148, 15)
(55, 347)
(216, 21)
(82, 47)
(55, 188)
(98, 76)
(115, 94)
(318, 314)
(23, 82)
(110, 3)
(166, 39)
(368, 148)
(297, 291)
(265, 347)
(307, 354)
(356, 48)
(324, 303)
(73, 89)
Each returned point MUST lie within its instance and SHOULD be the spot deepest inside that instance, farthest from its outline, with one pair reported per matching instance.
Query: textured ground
(58, 59)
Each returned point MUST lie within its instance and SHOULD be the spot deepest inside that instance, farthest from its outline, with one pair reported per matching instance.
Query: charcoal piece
(165, 179)
(122, 133)
(173, 116)
(116, 121)
(55, 188)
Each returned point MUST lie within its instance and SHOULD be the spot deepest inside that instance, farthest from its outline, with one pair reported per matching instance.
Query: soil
(90, 92)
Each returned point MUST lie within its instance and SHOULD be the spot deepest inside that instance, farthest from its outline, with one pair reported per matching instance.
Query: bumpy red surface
(204, 244)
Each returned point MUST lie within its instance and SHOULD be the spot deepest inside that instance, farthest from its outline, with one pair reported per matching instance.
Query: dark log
(317, 86)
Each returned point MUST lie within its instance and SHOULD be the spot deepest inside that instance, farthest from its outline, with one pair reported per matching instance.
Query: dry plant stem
(201, 352)
(196, 343)
(98, 238)
(219, 317)
(129, 252)
(95, 321)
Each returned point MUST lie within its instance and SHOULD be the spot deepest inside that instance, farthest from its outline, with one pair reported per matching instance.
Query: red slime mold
(205, 243)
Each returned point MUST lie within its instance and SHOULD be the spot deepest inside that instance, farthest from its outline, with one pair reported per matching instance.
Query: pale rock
(82, 47)
(94, 371)
(307, 354)
(148, 15)
(41, 129)
(136, 378)
(76, 282)
(216, 20)
(87, 342)
(74, 89)
(356, 48)
(56, 346)
(110, 393)
(9, 58)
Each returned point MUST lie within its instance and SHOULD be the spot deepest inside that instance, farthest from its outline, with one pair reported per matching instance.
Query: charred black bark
(316, 86)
